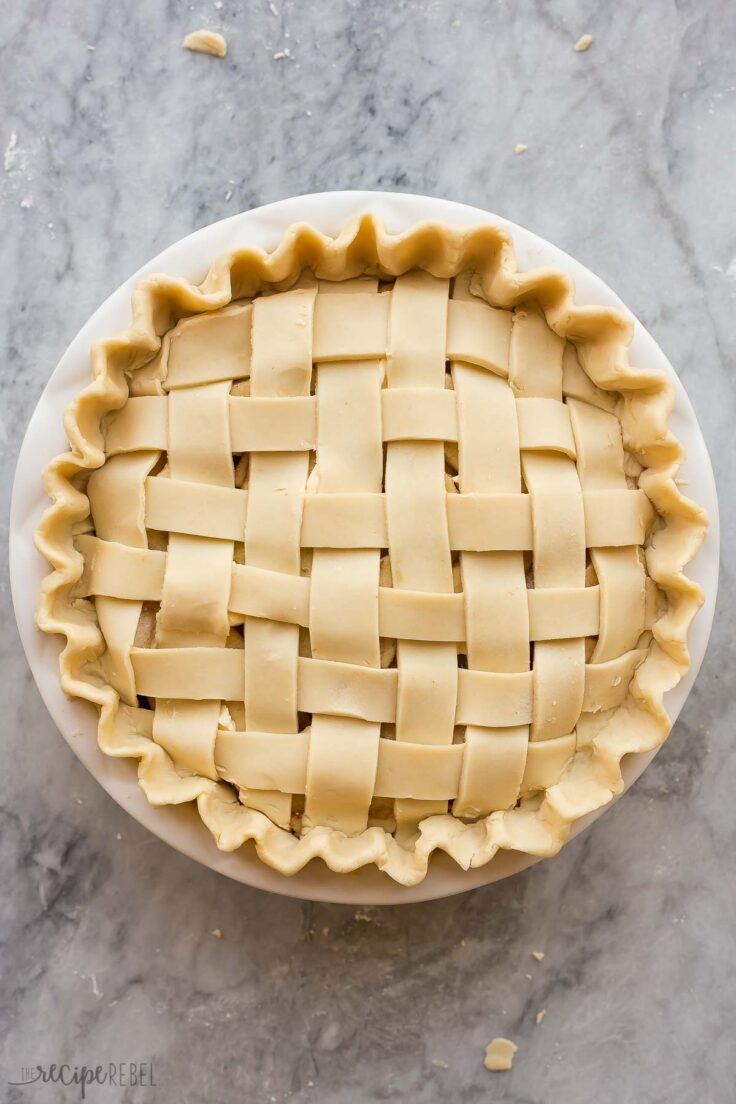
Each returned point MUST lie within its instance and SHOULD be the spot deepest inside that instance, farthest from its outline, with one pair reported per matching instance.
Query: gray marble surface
(116, 142)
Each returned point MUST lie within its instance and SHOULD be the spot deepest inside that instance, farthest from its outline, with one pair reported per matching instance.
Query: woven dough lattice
(370, 551)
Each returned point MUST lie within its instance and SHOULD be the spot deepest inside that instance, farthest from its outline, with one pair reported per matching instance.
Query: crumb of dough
(540, 1016)
(520, 148)
(206, 42)
(439, 1063)
(500, 1054)
(217, 933)
(539, 955)
(583, 43)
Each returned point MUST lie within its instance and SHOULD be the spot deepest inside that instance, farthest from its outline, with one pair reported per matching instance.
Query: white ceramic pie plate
(77, 721)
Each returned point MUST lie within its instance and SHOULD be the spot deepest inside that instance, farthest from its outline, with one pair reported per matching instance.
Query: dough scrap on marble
(500, 1055)
(205, 42)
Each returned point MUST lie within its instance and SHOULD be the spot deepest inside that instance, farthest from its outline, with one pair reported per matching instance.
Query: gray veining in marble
(116, 142)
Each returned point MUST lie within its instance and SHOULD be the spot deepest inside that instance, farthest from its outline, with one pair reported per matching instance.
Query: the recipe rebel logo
(122, 1075)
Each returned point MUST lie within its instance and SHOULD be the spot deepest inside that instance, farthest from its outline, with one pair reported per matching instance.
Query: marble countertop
(117, 142)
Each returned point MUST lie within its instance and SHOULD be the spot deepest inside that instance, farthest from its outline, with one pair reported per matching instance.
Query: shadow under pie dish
(372, 545)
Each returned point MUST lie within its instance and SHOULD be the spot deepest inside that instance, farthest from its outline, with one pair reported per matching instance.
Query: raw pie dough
(500, 1055)
(371, 546)
(206, 42)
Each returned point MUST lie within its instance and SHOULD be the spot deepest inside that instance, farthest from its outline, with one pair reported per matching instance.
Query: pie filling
(367, 560)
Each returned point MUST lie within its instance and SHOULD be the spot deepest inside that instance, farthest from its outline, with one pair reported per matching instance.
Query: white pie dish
(190, 258)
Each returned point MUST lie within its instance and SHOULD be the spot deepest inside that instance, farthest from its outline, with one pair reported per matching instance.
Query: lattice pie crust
(371, 546)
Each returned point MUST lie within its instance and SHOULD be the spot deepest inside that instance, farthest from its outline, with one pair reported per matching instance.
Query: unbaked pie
(371, 546)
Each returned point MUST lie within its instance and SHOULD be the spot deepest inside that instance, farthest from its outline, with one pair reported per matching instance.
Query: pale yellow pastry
(583, 43)
(206, 42)
(371, 546)
(500, 1055)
